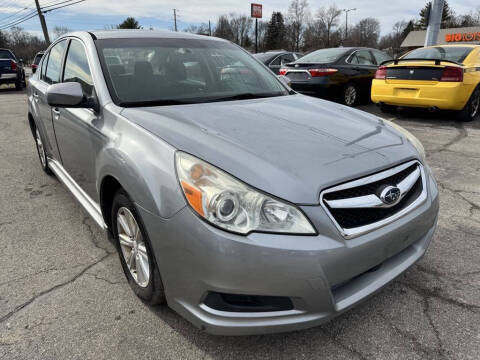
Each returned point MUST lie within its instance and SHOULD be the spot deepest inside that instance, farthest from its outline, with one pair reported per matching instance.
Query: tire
(18, 85)
(472, 109)
(349, 95)
(42, 154)
(135, 251)
(384, 108)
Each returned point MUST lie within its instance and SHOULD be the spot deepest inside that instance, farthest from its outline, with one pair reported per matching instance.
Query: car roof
(455, 45)
(140, 33)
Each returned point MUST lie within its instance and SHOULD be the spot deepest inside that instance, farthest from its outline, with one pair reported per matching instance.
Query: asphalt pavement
(63, 294)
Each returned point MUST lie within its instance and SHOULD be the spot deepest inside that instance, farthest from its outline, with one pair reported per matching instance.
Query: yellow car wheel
(472, 109)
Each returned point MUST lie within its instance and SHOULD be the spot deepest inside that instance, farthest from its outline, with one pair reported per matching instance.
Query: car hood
(292, 147)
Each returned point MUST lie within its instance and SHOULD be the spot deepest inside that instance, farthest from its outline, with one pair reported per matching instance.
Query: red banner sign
(458, 37)
(257, 11)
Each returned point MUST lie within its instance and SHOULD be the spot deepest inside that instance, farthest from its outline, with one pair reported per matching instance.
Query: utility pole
(175, 18)
(434, 21)
(256, 35)
(43, 23)
(346, 20)
(209, 28)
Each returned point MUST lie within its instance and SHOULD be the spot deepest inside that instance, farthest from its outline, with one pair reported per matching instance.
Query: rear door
(78, 129)
(49, 74)
(364, 67)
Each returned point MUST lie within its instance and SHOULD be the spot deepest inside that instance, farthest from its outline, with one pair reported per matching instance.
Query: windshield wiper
(245, 96)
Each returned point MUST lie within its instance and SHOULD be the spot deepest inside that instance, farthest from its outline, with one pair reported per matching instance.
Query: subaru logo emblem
(411, 72)
(390, 195)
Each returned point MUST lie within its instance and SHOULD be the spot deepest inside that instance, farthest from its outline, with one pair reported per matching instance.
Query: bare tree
(241, 26)
(60, 30)
(223, 28)
(297, 16)
(201, 29)
(328, 18)
(366, 33)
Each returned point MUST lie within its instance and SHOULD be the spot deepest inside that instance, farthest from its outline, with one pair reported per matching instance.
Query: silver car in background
(246, 207)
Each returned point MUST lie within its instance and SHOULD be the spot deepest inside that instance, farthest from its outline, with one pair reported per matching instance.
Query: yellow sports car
(443, 77)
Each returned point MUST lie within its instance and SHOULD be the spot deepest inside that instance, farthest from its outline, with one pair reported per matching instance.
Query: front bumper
(323, 275)
(443, 95)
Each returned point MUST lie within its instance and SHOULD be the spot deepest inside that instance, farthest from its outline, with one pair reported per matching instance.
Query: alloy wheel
(475, 105)
(350, 95)
(133, 247)
(40, 148)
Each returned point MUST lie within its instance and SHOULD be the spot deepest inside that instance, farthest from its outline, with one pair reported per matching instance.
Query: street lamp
(346, 20)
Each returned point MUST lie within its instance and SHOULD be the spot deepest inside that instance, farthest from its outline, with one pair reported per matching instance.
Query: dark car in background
(276, 59)
(344, 74)
(36, 61)
(11, 69)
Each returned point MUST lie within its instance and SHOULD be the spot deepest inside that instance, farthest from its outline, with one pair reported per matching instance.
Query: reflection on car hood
(290, 146)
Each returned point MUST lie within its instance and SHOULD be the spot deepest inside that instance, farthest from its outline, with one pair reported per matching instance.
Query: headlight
(413, 140)
(232, 205)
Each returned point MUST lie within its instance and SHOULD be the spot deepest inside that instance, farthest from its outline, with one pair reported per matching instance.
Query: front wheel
(136, 254)
(472, 109)
(349, 95)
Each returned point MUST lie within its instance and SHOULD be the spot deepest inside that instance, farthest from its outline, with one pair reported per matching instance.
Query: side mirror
(285, 80)
(70, 94)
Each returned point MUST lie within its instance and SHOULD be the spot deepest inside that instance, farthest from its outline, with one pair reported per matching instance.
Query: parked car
(246, 207)
(343, 74)
(445, 77)
(276, 59)
(11, 69)
(36, 61)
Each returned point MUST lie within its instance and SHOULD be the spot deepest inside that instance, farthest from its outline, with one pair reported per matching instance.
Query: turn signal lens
(381, 73)
(452, 74)
(282, 71)
(228, 203)
(321, 72)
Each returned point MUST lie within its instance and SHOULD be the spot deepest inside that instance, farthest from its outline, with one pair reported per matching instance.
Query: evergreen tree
(275, 36)
(129, 23)
(447, 16)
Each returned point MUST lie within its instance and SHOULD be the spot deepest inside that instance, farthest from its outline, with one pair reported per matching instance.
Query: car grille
(356, 207)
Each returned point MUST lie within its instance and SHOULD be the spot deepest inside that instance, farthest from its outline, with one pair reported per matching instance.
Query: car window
(361, 57)
(276, 61)
(76, 67)
(452, 53)
(37, 59)
(44, 67)
(322, 56)
(5, 54)
(166, 71)
(55, 63)
(380, 56)
(287, 58)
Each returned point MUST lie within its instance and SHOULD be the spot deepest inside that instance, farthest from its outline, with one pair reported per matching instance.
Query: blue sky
(96, 14)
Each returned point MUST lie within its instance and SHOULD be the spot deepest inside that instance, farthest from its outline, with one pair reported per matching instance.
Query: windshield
(182, 71)
(5, 54)
(322, 56)
(453, 53)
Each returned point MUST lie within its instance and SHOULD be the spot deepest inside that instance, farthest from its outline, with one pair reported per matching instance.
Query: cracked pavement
(63, 294)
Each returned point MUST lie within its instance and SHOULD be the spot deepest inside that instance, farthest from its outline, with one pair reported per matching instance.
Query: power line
(15, 13)
(18, 20)
(54, 3)
(59, 7)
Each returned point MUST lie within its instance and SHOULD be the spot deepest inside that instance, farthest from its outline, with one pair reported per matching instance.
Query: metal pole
(434, 22)
(43, 23)
(175, 18)
(256, 35)
(346, 24)
(209, 28)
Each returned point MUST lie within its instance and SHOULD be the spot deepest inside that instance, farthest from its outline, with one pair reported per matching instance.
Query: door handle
(56, 112)
(35, 94)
